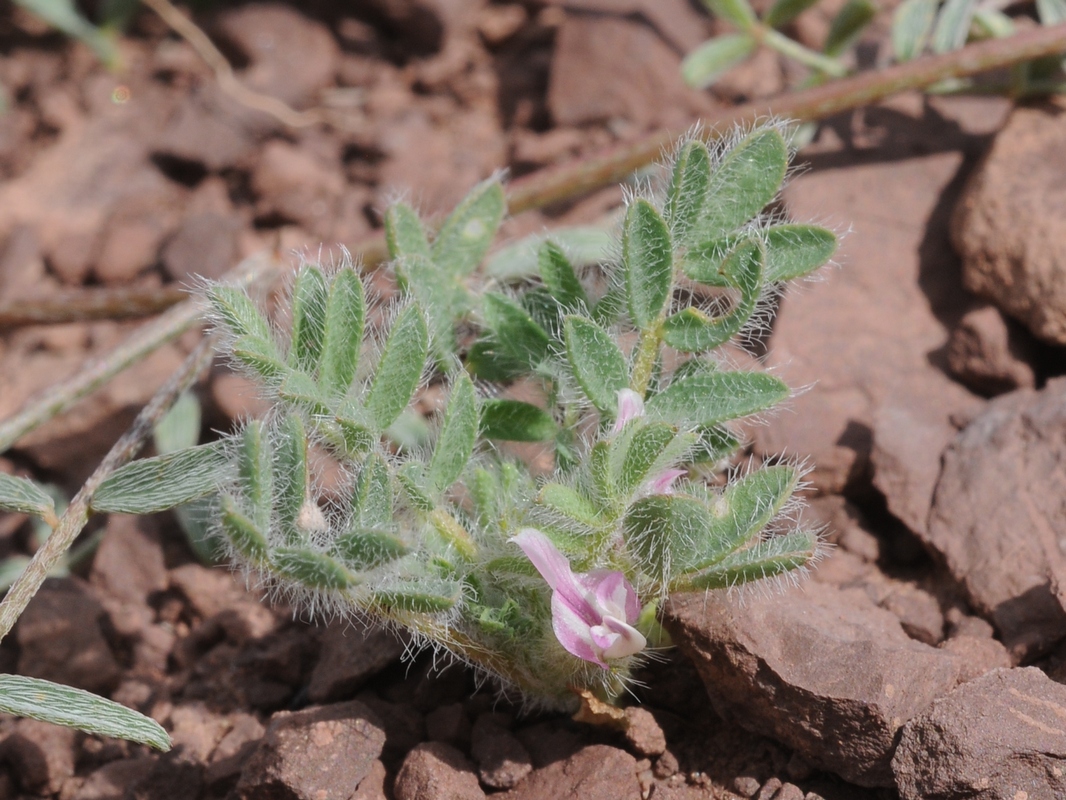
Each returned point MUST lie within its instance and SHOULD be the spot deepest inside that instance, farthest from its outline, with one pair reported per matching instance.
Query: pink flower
(630, 406)
(593, 613)
(663, 483)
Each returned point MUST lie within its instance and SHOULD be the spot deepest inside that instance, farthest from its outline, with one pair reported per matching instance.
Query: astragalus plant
(546, 577)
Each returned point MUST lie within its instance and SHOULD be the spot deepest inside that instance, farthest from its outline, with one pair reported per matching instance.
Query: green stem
(794, 50)
(77, 513)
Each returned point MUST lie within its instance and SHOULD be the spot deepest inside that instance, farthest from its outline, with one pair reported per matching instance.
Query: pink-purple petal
(573, 632)
(663, 483)
(630, 406)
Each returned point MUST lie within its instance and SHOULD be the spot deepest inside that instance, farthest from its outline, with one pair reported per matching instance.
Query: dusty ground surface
(871, 681)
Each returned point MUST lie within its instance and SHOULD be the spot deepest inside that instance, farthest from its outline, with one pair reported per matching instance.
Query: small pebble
(745, 785)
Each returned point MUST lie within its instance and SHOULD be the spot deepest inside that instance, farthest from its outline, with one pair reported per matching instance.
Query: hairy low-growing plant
(547, 580)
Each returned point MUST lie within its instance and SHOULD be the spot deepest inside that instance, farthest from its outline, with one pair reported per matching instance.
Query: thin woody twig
(81, 305)
(77, 513)
(227, 81)
(139, 344)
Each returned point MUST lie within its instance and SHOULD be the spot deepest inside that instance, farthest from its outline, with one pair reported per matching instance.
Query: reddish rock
(643, 732)
(404, 726)
(997, 509)
(594, 77)
(824, 671)
(111, 780)
(134, 233)
(128, 565)
(174, 776)
(291, 56)
(501, 758)
(233, 751)
(321, 752)
(1000, 736)
(449, 724)
(677, 21)
(987, 355)
(209, 132)
(596, 772)
(60, 638)
(876, 402)
(436, 771)
(976, 655)
(1009, 226)
(349, 656)
(205, 246)
(918, 612)
(423, 25)
(41, 754)
(295, 186)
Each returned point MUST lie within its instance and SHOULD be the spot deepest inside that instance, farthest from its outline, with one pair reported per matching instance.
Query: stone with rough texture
(986, 355)
(205, 246)
(596, 772)
(60, 638)
(350, 656)
(1010, 225)
(291, 56)
(42, 755)
(976, 655)
(822, 670)
(111, 780)
(643, 732)
(862, 339)
(295, 186)
(997, 519)
(594, 77)
(307, 755)
(436, 771)
(1000, 736)
(502, 760)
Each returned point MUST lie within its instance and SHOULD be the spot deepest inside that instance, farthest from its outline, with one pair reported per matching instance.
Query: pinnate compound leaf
(847, 26)
(300, 389)
(399, 369)
(712, 398)
(156, 484)
(515, 421)
(238, 312)
(559, 277)
(23, 496)
(427, 596)
(688, 189)
(467, 233)
(911, 25)
(739, 12)
(443, 299)
(793, 251)
(514, 333)
(404, 234)
(783, 12)
(647, 263)
(367, 548)
(345, 318)
(715, 57)
(309, 296)
(745, 181)
(455, 444)
(242, 533)
(597, 362)
(953, 25)
(75, 708)
(765, 559)
(310, 568)
(639, 453)
(661, 529)
(64, 16)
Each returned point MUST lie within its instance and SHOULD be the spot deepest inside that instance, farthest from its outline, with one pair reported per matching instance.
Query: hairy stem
(77, 513)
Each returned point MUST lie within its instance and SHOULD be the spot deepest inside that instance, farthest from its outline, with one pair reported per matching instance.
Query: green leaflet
(428, 596)
(912, 23)
(688, 189)
(400, 368)
(23, 496)
(847, 25)
(738, 12)
(711, 398)
(292, 478)
(309, 296)
(596, 361)
(75, 708)
(744, 182)
(311, 569)
(343, 336)
(367, 548)
(455, 444)
(255, 472)
(372, 495)
(515, 421)
(559, 276)
(156, 484)
(515, 334)
(467, 233)
(647, 263)
(764, 559)
(715, 57)
(404, 235)
(242, 533)
(238, 312)
(783, 12)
